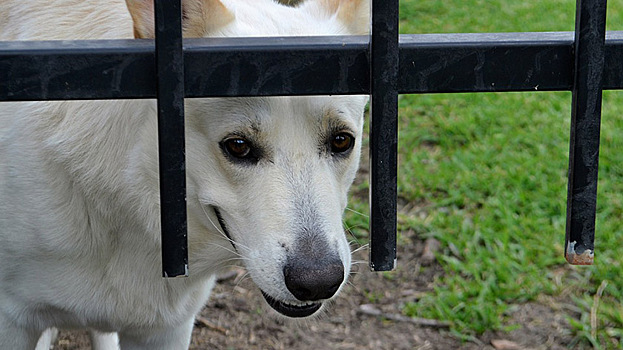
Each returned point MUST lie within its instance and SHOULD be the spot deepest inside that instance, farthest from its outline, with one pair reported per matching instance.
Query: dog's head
(270, 176)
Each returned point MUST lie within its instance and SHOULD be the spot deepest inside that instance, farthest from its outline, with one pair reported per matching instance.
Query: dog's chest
(122, 302)
(159, 303)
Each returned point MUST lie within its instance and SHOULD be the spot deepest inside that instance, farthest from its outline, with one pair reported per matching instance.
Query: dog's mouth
(292, 310)
(224, 229)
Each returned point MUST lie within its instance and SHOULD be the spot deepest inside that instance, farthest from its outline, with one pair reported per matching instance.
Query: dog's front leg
(104, 341)
(47, 339)
(177, 338)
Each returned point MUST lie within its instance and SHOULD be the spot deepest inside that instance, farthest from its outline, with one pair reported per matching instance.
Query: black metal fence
(383, 65)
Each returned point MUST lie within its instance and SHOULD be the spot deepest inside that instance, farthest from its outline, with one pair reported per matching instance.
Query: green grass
(490, 172)
(492, 169)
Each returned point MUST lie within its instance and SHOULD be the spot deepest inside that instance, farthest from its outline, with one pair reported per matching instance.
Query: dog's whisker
(349, 229)
(241, 278)
(353, 241)
(217, 227)
(365, 246)
(354, 225)
(238, 256)
(353, 244)
(352, 285)
(233, 267)
(357, 212)
(219, 230)
(235, 260)
(227, 248)
(350, 232)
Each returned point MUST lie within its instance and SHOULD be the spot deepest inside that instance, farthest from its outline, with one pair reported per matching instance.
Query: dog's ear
(353, 14)
(199, 17)
(142, 12)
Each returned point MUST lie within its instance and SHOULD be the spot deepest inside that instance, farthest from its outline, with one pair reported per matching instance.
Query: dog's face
(272, 174)
(269, 176)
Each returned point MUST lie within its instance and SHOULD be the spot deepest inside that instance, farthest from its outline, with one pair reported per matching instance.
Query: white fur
(79, 202)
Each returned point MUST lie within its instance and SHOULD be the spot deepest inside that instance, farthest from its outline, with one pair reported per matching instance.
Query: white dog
(79, 204)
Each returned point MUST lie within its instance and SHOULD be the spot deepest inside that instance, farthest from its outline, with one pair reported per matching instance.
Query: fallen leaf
(503, 344)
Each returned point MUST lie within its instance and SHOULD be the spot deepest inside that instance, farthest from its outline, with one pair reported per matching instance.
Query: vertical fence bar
(590, 33)
(170, 67)
(383, 134)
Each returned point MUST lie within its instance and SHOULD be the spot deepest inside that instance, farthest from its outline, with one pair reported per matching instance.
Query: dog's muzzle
(306, 280)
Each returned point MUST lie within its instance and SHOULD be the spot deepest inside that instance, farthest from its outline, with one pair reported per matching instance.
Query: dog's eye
(237, 147)
(342, 142)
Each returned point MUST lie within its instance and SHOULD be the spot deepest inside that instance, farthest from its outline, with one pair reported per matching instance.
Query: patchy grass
(488, 171)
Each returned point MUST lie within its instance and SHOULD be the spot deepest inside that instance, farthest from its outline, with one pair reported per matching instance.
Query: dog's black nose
(309, 282)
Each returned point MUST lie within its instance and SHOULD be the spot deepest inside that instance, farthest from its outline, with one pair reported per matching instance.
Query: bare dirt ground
(236, 317)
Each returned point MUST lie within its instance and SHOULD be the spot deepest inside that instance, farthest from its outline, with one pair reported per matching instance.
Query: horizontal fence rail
(429, 63)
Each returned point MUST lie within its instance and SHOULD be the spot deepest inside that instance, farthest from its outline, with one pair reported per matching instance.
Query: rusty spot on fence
(584, 258)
